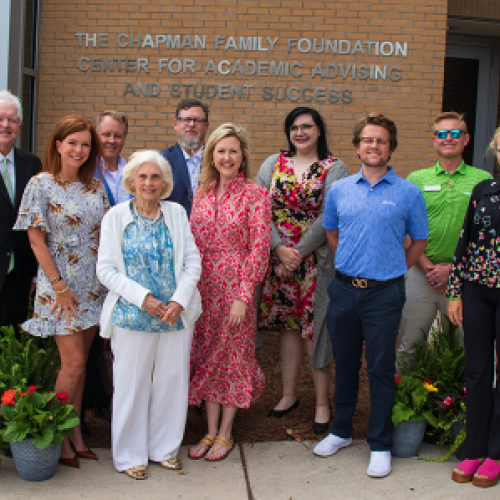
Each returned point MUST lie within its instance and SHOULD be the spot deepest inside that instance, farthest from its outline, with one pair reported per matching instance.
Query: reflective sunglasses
(455, 133)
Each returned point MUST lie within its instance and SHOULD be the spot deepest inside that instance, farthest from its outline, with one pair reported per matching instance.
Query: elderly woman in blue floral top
(474, 301)
(149, 262)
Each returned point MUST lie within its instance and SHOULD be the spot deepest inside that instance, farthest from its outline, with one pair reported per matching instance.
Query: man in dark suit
(17, 262)
(191, 126)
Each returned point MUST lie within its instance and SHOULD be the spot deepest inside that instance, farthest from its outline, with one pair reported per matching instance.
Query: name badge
(432, 188)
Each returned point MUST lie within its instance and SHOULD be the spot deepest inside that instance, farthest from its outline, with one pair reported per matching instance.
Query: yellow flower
(430, 387)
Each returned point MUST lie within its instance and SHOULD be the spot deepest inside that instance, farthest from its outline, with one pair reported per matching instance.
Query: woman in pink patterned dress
(231, 224)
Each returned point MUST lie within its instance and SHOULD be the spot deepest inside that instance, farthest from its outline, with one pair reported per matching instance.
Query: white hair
(6, 96)
(148, 156)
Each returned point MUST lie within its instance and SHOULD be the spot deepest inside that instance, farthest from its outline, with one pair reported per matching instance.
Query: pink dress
(233, 235)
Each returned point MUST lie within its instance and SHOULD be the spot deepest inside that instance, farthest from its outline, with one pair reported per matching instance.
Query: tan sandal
(219, 443)
(204, 446)
(137, 472)
(171, 464)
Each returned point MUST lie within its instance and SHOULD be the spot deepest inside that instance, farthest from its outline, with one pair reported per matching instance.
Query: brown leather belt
(364, 282)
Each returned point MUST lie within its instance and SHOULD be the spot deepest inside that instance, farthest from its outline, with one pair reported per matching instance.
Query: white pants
(150, 398)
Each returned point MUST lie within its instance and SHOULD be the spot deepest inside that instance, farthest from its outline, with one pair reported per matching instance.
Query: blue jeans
(371, 315)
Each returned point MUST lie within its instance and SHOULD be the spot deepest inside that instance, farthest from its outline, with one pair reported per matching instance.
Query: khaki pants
(421, 307)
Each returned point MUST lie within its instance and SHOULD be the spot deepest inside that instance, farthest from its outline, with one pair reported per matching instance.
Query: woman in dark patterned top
(474, 293)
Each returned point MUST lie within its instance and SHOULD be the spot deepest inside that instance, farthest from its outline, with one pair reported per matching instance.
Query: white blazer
(111, 267)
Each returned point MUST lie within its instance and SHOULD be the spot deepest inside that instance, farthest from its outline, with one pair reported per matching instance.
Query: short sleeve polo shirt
(373, 222)
(446, 198)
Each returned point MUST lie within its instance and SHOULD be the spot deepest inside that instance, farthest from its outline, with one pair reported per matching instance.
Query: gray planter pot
(407, 438)
(33, 464)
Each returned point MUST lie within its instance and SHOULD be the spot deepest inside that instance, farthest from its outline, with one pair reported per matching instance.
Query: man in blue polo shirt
(367, 218)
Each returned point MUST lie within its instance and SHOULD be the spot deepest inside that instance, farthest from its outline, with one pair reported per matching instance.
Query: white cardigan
(111, 267)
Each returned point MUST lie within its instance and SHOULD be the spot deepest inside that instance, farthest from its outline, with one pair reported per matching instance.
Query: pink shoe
(488, 474)
(464, 471)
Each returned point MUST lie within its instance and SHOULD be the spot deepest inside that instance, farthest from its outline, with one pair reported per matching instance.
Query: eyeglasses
(303, 128)
(376, 140)
(455, 133)
(189, 119)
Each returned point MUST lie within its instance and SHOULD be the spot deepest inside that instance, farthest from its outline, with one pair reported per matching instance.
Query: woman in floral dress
(231, 224)
(61, 209)
(294, 297)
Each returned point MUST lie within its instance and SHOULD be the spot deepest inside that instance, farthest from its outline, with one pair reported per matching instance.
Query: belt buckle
(359, 282)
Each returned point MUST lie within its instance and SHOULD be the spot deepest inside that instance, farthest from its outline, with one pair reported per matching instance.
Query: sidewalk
(263, 471)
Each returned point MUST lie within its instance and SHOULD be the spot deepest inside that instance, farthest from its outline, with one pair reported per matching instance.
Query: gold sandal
(219, 443)
(206, 442)
(137, 472)
(171, 464)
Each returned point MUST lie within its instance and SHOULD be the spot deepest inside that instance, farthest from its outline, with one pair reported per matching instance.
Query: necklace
(64, 179)
(146, 221)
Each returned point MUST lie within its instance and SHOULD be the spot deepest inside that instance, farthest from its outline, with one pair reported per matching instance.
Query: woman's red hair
(66, 126)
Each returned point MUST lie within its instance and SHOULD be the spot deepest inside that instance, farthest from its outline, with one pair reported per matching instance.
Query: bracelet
(55, 280)
(62, 291)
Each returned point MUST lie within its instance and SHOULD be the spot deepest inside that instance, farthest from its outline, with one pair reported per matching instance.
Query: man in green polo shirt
(446, 187)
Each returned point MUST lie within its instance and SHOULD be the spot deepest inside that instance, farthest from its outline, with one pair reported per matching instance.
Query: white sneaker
(330, 445)
(380, 464)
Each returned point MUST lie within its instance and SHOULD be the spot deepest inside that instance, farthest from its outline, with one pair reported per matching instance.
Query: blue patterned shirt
(149, 260)
(373, 222)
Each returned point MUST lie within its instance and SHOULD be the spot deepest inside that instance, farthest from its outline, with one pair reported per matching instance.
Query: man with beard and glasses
(191, 126)
(367, 217)
(447, 187)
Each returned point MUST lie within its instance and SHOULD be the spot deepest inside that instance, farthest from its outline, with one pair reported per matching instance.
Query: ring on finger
(59, 309)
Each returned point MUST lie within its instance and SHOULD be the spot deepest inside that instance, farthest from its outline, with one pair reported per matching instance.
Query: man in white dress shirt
(112, 127)
(17, 262)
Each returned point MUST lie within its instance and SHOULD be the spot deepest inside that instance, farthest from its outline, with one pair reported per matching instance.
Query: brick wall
(488, 9)
(412, 101)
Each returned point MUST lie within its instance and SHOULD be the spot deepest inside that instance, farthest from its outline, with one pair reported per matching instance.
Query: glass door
(471, 87)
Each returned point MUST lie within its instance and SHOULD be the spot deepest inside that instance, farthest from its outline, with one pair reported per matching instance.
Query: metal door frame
(486, 51)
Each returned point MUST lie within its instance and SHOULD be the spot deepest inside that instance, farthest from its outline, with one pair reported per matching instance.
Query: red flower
(63, 397)
(448, 401)
(399, 382)
(427, 381)
(31, 389)
(9, 397)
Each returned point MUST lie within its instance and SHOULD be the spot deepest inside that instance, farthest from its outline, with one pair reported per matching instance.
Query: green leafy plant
(43, 416)
(441, 359)
(412, 399)
(24, 362)
(452, 411)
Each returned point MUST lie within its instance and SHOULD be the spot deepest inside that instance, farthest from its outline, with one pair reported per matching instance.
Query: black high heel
(281, 413)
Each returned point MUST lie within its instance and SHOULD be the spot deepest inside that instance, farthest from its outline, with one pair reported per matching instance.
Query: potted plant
(26, 360)
(411, 412)
(35, 423)
(441, 359)
(451, 424)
